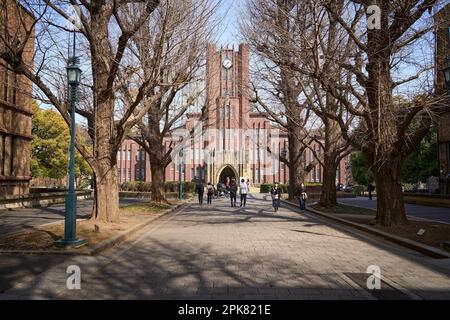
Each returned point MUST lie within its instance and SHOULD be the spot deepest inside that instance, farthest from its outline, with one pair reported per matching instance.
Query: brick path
(220, 252)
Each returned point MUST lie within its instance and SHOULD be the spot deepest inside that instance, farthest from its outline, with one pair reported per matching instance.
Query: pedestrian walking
(302, 196)
(233, 192)
(243, 191)
(210, 192)
(200, 188)
(227, 183)
(370, 189)
(275, 193)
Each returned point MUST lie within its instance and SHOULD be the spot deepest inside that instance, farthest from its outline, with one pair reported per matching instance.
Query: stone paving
(218, 252)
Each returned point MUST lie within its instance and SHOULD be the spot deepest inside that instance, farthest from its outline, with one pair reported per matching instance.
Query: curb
(106, 244)
(411, 244)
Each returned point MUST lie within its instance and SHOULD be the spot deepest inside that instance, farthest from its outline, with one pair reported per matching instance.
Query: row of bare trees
(320, 72)
(138, 57)
(370, 84)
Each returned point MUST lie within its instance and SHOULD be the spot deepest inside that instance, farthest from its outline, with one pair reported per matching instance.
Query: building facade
(235, 140)
(15, 108)
(442, 56)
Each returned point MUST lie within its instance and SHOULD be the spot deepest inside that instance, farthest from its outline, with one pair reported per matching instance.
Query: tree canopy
(50, 145)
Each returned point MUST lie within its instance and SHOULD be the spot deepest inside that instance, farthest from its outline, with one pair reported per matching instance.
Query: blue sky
(228, 32)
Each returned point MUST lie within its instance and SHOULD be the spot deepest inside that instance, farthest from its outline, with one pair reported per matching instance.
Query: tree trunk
(328, 194)
(331, 158)
(157, 186)
(106, 196)
(157, 165)
(390, 204)
(296, 169)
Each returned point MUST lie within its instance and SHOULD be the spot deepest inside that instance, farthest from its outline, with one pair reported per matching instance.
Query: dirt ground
(44, 237)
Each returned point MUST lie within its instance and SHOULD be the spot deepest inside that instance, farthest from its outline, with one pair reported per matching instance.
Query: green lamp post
(73, 77)
(180, 174)
(446, 72)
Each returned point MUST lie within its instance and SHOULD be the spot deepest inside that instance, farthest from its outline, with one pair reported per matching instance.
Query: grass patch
(151, 207)
(345, 209)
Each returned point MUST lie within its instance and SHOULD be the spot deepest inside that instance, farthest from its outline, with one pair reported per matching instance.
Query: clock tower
(227, 83)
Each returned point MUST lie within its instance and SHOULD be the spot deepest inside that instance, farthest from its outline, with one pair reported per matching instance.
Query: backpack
(210, 189)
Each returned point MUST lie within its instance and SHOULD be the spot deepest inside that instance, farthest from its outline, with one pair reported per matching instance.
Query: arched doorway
(227, 171)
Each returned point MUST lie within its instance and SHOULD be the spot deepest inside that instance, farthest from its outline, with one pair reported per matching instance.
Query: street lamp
(73, 78)
(284, 152)
(180, 172)
(446, 72)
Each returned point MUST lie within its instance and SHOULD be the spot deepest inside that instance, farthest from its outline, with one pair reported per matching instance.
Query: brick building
(15, 108)
(235, 135)
(442, 56)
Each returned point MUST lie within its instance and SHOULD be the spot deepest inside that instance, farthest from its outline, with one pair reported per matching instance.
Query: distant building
(237, 137)
(442, 56)
(15, 108)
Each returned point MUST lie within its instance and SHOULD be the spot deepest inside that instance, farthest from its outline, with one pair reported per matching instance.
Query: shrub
(169, 186)
(189, 186)
(266, 187)
(359, 190)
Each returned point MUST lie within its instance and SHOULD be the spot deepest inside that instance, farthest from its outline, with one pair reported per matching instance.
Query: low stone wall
(35, 200)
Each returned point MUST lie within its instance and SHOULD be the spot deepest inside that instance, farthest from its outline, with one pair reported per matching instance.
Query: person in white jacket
(243, 191)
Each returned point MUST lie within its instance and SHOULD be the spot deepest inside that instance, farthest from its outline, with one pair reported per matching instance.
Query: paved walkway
(12, 220)
(413, 210)
(219, 252)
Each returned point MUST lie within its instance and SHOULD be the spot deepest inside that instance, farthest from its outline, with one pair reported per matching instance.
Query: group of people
(276, 193)
(244, 188)
(232, 188)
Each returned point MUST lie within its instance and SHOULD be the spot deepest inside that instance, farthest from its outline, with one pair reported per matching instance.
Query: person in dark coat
(302, 196)
(370, 189)
(233, 192)
(200, 188)
(275, 193)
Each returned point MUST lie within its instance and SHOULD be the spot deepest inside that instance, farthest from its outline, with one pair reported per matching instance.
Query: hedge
(169, 186)
(265, 187)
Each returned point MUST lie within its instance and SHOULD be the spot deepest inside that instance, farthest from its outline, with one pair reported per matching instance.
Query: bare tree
(273, 28)
(106, 28)
(319, 48)
(176, 58)
(387, 55)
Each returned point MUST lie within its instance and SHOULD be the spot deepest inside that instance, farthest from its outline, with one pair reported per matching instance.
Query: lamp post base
(74, 243)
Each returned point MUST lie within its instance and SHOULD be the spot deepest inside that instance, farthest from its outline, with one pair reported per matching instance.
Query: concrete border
(106, 244)
(411, 244)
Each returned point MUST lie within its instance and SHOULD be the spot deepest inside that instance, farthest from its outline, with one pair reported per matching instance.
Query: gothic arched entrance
(227, 171)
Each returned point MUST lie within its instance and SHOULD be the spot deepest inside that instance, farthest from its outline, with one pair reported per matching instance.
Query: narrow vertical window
(5, 84)
(14, 97)
(3, 155)
(11, 156)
